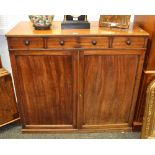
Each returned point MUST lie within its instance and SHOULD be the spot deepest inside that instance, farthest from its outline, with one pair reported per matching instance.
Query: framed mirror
(148, 129)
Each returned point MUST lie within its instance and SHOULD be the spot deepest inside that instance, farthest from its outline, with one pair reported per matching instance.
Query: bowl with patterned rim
(41, 22)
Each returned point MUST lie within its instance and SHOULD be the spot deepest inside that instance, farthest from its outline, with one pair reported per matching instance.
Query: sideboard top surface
(26, 29)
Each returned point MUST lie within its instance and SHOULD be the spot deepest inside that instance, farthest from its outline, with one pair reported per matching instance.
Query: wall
(11, 12)
(6, 23)
(4, 53)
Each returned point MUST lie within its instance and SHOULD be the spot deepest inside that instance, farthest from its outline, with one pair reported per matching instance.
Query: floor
(13, 131)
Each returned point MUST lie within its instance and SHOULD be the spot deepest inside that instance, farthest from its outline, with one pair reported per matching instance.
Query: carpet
(13, 131)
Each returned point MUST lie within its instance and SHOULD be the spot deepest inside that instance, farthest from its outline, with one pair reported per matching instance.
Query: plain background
(17, 10)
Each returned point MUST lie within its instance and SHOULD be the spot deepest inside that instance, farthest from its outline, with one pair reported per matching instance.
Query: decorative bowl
(41, 22)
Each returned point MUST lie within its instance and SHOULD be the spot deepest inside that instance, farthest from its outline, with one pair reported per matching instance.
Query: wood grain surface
(26, 29)
(147, 22)
(76, 80)
(8, 106)
(47, 88)
(108, 87)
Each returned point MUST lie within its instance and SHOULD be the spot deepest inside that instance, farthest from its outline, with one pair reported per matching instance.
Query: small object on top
(115, 21)
(75, 22)
(41, 22)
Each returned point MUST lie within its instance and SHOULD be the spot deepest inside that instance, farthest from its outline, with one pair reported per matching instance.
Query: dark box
(75, 25)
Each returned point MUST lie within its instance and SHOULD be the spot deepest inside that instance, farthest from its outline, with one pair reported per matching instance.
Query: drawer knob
(94, 42)
(26, 42)
(128, 42)
(62, 42)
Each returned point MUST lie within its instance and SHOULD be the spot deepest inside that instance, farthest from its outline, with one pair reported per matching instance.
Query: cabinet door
(45, 82)
(108, 90)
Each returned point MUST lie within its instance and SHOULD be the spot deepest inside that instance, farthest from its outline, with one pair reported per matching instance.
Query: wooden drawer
(62, 42)
(128, 42)
(94, 42)
(24, 42)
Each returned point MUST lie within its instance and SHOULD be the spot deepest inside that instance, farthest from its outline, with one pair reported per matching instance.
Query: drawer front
(24, 43)
(94, 42)
(75, 42)
(62, 42)
(128, 42)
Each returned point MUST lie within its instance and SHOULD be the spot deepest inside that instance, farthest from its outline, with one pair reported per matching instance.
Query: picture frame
(148, 128)
(116, 21)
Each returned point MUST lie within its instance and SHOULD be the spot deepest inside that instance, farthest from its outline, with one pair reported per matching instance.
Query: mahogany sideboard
(76, 80)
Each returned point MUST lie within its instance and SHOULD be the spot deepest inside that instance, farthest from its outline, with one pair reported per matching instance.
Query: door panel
(107, 88)
(47, 86)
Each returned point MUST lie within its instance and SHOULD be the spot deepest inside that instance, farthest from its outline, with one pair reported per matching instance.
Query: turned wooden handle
(26, 42)
(128, 42)
(94, 42)
(62, 42)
